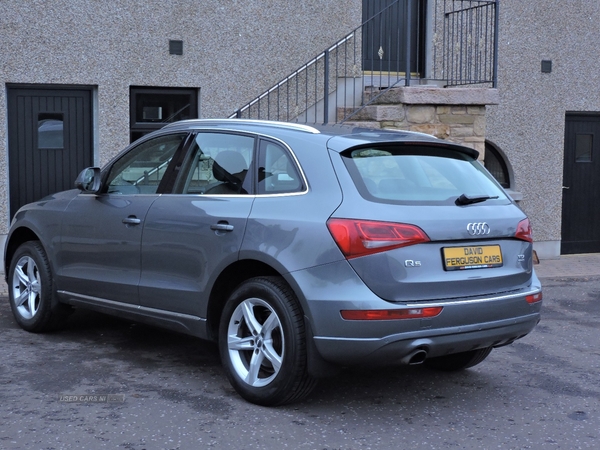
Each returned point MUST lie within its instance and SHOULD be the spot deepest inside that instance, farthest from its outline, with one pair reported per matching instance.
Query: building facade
(82, 79)
(547, 121)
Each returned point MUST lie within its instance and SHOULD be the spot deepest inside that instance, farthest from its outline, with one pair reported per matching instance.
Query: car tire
(262, 343)
(30, 290)
(458, 361)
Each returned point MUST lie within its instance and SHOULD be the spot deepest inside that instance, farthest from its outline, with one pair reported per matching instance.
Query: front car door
(99, 254)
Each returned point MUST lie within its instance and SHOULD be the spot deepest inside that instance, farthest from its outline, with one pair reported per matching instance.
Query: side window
(218, 165)
(277, 173)
(141, 170)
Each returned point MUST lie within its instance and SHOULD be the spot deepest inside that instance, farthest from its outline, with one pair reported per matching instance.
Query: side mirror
(89, 180)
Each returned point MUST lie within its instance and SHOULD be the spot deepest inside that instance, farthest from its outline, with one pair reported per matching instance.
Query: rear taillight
(391, 314)
(364, 237)
(524, 231)
(534, 298)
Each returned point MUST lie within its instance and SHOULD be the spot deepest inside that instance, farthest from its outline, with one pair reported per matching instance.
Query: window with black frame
(152, 108)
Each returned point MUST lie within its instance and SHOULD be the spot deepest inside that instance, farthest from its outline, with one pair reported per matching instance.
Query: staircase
(332, 87)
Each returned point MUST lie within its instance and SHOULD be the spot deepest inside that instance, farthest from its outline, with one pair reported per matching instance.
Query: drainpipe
(496, 22)
(407, 44)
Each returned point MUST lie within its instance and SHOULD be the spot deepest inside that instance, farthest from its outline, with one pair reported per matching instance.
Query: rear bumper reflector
(534, 298)
(391, 314)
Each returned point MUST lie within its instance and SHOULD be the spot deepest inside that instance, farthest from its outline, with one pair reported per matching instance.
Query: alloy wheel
(255, 342)
(26, 287)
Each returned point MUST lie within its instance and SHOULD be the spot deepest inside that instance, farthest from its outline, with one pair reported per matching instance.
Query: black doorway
(49, 139)
(384, 37)
(581, 184)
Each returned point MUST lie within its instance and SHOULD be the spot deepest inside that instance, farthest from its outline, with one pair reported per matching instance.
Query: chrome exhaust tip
(415, 357)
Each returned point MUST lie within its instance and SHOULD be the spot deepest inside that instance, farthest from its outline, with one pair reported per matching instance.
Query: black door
(49, 140)
(581, 185)
(384, 35)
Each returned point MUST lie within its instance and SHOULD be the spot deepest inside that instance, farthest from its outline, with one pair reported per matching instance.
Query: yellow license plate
(476, 257)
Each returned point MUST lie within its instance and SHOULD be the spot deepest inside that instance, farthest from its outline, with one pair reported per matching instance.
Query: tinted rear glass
(419, 174)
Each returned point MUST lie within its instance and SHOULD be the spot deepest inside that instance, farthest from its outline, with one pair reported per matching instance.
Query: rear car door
(192, 234)
(99, 252)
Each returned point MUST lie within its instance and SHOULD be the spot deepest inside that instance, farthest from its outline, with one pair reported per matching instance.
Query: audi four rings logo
(478, 228)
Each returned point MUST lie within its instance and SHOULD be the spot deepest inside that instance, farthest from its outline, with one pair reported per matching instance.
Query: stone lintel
(419, 95)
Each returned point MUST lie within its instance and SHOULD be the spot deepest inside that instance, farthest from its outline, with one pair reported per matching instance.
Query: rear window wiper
(465, 199)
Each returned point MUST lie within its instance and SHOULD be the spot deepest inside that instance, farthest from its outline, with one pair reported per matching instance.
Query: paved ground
(568, 266)
(103, 382)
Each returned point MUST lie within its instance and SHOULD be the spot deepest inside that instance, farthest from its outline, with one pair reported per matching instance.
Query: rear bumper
(464, 324)
(394, 349)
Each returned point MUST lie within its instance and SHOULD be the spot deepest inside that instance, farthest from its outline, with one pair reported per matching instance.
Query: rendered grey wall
(528, 124)
(233, 50)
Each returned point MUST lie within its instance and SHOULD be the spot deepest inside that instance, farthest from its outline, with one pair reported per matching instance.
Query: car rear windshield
(408, 174)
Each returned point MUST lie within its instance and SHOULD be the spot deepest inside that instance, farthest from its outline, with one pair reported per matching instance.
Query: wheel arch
(241, 271)
(226, 282)
(16, 239)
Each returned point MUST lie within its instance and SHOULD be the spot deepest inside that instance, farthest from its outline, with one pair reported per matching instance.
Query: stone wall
(454, 114)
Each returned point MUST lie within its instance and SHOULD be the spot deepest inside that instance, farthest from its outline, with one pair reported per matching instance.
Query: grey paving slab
(570, 266)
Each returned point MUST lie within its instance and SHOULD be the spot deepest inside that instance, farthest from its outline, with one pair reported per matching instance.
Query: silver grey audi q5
(299, 250)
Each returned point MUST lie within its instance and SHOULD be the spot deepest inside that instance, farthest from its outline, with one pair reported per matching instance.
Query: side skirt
(182, 323)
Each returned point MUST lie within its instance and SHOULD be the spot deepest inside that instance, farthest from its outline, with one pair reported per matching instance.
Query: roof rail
(270, 123)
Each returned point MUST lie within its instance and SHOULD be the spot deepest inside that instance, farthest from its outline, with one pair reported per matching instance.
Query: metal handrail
(332, 86)
(470, 43)
(295, 73)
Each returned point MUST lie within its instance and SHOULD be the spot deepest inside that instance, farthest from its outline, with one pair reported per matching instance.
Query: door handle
(131, 220)
(221, 227)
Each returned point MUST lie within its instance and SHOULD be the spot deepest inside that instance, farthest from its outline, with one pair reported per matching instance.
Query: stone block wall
(453, 114)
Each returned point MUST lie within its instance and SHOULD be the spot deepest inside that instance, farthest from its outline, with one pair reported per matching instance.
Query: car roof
(340, 137)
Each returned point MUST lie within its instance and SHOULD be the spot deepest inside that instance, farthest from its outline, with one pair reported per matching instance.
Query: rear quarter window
(419, 174)
(277, 173)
